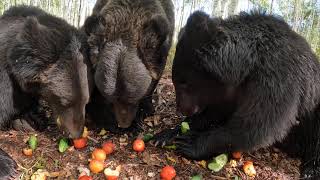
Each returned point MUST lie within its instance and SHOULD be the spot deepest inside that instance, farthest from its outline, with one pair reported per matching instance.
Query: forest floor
(270, 163)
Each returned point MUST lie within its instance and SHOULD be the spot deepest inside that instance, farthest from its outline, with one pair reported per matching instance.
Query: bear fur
(42, 57)
(244, 83)
(129, 43)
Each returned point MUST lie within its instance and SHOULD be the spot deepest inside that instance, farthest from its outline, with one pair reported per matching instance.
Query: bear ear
(159, 25)
(32, 28)
(200, 23)
(157, 32)
(33, 50)
(94, 24)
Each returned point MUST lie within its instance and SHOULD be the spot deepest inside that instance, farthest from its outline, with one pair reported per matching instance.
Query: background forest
(302, 15)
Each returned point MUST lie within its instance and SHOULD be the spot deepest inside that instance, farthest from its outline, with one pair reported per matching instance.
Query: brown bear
(42, 57)
(129, 43)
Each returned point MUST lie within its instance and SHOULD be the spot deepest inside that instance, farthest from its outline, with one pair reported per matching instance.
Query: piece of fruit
(138, 145)
(63, 145)
(85, 177)
(80, 143)
(99, 154)
(27, 151)
(196, 177)
(147, 137)
(248, 168)
(96, 166)
(85, 132)
(111, 174)
(218, 163)
(108, 147)
(185, 127)
(236, 155)
(33, 142)
(167, 173)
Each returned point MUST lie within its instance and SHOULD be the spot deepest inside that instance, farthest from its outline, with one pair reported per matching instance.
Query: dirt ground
(270, 163)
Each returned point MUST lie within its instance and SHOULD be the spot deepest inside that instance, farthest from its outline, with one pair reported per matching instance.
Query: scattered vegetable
(236, 155)
(99, 154)
(33, 142)
(80, 143)
(85, 177)
(96, 166)
(248, 168)
(112, 174)
(196, 177)
(63, 145)
(108, 147)
(147, 137)
(138, 145)
(27, 151)
(185, 127)
(168, 173)
(171, 147)
(40, 174)
(218, 163)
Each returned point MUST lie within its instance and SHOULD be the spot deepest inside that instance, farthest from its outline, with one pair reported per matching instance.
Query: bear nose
(75, 134)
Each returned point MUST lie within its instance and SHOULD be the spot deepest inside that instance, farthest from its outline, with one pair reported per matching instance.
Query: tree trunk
(79, 13)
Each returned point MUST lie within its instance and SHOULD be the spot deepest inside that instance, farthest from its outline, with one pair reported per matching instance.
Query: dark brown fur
(129, 41)
(41, 57)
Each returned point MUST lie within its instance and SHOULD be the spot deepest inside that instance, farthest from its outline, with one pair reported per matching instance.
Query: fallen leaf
(150, 160)
(203, 163)
(171, 159)
(102, 132)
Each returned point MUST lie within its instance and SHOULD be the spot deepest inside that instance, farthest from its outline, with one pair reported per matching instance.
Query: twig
(92, 139)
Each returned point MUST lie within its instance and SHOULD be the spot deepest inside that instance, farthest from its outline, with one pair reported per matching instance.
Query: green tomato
(33, 142)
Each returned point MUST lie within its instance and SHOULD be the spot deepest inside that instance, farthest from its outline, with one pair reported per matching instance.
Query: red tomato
(108, 147)
(99, 154)
(112, 177)
(168, 173)
(138, 145)
(80, 143)
(236, 155)
(85, 177)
